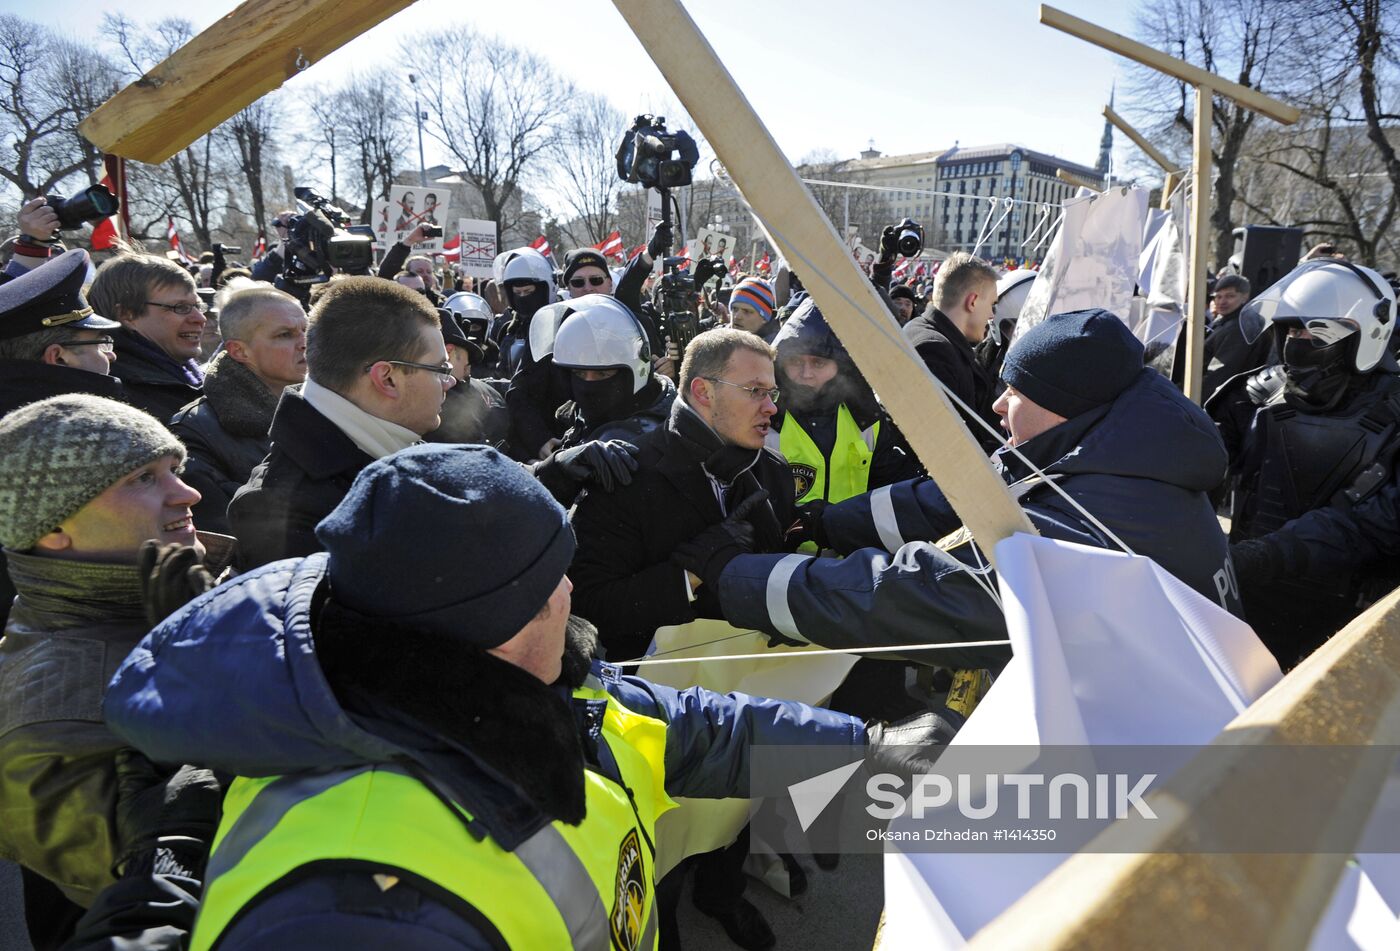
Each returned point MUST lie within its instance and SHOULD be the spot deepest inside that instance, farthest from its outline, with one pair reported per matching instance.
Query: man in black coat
(225, 431)
(162, 320)
(946, 333)
(377, 373)
(1227, 351)
(705, 488)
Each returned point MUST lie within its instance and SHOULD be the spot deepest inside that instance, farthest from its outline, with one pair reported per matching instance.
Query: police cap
(49, 296)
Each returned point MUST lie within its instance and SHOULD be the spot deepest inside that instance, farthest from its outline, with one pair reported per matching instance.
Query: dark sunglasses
(591, 281)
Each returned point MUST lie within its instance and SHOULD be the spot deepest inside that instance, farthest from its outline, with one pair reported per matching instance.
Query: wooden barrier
(1155, 893)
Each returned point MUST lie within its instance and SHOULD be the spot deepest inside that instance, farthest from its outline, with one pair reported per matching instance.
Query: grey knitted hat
(59, 454)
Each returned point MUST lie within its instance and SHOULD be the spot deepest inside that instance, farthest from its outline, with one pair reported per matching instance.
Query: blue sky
(822, 74)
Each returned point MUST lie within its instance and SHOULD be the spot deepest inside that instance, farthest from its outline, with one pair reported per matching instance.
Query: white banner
(410, 206)
(1109, 649)
(478, 246)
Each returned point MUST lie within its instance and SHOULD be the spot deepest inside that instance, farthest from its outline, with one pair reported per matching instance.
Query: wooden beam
(1076, 181)
(1147, 147)
(1147, 56)
(806, 238)
(238, 59)
(1169, 185)
(1144, 884)
(1196, 293)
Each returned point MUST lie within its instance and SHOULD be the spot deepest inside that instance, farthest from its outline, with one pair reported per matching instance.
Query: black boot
(743, 923)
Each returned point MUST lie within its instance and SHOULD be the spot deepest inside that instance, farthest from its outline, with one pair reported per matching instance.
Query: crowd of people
(322, 606)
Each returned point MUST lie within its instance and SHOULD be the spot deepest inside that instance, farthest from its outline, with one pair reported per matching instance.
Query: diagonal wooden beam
(848, 301)
(1152, 152)
(245, 55)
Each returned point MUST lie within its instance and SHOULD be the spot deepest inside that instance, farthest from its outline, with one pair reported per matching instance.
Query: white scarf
(377, 437)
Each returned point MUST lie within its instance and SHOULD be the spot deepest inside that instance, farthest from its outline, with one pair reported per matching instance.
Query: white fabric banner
(1109, 649)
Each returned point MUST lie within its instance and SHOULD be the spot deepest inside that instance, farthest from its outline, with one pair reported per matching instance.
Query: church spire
(1106, 143)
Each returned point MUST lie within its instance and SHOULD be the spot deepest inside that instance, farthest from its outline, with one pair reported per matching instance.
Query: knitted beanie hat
(450, 538)
(59, 454)
(757, 294)
(583, 257)
(1072, 362)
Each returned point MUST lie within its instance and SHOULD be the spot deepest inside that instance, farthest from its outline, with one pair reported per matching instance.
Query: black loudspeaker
(1264, 254)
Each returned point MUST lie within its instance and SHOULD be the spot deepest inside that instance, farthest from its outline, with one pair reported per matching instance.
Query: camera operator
(269, 268)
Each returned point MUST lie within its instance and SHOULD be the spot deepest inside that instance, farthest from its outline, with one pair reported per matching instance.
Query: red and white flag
(175, 241)
(104, 233)
(902, 269)
(635, 251)
(260, 248)
(452, 248)
(764, 263)
(611, 246)
(541, 244)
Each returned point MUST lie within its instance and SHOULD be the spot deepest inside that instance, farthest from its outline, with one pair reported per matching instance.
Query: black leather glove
(889, 244)
(707, 553)
(164, 817)
(597, 463)
(911, 746)
(660, 242)
(171, 577)
(808, 527)
(1257, 562)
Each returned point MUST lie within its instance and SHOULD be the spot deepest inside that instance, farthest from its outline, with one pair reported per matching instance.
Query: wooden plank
(1146, 884)
(1078, 182)
(1169, 186)
(238, 59)
(1147, 147)
(805, 236)
(1197, 295)
(1147, 56)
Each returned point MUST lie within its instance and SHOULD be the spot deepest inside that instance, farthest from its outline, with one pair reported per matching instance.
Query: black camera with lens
(90, 204)
(655, 158)
(909, 238)
(676, 304)
(319, 244)
(432, 231)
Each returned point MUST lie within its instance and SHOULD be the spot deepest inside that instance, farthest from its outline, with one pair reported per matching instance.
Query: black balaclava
(1317, 377)
(527, 307)
(602, 401)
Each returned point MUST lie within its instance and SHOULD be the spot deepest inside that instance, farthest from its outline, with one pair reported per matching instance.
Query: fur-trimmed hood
(237, 681)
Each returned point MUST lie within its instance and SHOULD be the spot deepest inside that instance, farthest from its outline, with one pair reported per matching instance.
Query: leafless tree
(372, 132)
(252, 133)
(496, 109)
(584, 170)
(47, 85)
(1238, 39)
(867, 210)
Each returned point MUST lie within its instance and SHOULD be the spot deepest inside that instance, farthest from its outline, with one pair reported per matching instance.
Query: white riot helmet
(544, 326)
(1013, 288)
(469, 308)
(600, 333)
(1334, 300)
(526, 264)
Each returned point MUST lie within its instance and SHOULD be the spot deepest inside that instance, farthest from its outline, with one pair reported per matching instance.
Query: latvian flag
(175, 241)
(611, 246)
(260, 249)
(541, 244)
(452, 248)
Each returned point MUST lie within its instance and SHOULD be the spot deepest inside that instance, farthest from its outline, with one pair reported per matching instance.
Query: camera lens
(910, 243)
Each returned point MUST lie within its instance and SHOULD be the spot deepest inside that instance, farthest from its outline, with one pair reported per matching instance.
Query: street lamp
(419, 115)
(1011, 220)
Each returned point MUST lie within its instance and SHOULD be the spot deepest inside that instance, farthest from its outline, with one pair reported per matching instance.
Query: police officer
(473, 410)
(429, 757)
(1314, 441)
(615, 393)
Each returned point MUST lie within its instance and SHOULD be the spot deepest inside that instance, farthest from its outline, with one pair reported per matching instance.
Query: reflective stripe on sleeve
(779, 613)
(886, 525)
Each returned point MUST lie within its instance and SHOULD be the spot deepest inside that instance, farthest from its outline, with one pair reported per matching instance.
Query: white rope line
(815, 651)
(1044, 220)
(1050, 233)
(983, 239)
(888, 328)
(917, 191)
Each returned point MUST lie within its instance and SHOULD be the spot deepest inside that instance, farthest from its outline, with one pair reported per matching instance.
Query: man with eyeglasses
(377, 375)
(162, 321)
(705, 488)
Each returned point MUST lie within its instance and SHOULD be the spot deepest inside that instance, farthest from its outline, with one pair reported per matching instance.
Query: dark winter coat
(1142, 465)
(225, 432)
(155, 381)
(306, 474)
(951, 358)
(651, 411)
(1228, 353)
(624, 579)
(311, 703)
(474, 412)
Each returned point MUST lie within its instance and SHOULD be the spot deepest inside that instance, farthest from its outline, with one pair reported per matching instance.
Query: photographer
(397, 259)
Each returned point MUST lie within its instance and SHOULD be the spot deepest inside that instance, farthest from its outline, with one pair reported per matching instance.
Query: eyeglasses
(103, 344)
(183, 309)
(756, 393)
(443, 371)
(592, 281)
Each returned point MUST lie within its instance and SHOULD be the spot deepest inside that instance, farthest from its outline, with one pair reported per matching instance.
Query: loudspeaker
(1264, 253)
